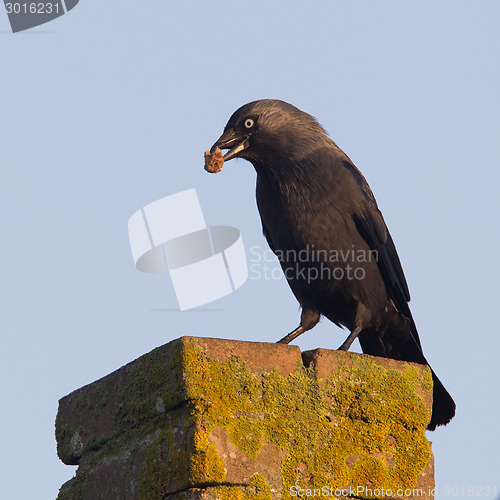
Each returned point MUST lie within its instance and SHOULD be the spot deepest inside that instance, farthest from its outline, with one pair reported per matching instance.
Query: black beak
(228, 140)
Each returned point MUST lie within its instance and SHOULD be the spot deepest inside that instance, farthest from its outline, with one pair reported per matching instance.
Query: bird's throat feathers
(301, 167)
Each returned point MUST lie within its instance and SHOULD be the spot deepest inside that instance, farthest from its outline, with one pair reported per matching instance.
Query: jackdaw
(321, 219)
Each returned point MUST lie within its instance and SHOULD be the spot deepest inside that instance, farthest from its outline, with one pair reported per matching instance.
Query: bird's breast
(324, 258)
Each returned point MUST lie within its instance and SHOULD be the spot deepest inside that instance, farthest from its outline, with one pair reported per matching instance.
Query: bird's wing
(373, 229)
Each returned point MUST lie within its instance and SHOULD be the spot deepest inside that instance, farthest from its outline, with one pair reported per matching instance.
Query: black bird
(321, 219)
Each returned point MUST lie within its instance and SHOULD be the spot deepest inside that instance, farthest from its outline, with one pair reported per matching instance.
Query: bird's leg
(308, 319)
(292, 335)
(362, 320)
(350, 339)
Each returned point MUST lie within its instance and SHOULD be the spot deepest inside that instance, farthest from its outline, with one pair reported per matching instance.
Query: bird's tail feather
(405, 346)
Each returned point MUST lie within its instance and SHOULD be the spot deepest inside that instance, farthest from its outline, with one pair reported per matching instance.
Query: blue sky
(110, 107)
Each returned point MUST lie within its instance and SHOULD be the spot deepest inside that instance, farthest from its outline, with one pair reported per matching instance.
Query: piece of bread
(214, 161)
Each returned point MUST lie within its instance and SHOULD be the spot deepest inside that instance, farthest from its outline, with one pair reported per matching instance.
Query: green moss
(65, 493)
(147, 380)
(81, 402)
(157, 472)
(101, 399)
(76, 488)
(64, 432)
(173, 464)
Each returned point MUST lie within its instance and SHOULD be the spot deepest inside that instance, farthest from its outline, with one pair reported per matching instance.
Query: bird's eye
(249, 123)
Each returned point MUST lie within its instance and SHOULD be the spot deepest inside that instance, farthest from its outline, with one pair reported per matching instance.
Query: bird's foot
(350, 339)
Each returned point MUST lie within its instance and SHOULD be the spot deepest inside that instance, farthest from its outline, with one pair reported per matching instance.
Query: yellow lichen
(257, 489)
(246, 434)
(206, 466)
(335, 433)
(361, 407)
(229, 493)
(370, 475)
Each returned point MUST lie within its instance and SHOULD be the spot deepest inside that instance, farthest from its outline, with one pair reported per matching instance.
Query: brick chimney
(203, 418)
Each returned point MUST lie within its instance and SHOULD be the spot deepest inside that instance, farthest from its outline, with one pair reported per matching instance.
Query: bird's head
(266, 131)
